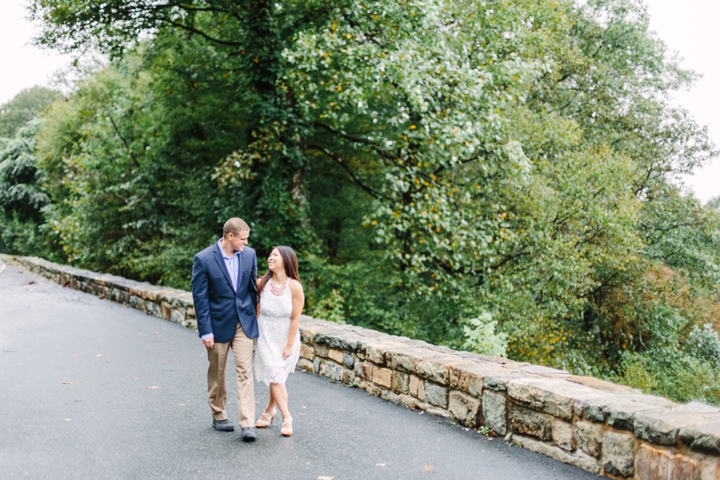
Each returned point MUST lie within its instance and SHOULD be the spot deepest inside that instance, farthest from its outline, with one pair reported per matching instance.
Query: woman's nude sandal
(286, 430)
(265, 420)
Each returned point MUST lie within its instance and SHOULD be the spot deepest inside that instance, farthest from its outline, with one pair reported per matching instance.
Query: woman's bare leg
(279, 396)
(271, 402)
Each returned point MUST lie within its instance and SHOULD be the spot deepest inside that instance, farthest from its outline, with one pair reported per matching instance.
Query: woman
(278, 346)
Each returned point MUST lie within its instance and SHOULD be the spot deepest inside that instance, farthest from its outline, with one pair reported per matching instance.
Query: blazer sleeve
(201, 300)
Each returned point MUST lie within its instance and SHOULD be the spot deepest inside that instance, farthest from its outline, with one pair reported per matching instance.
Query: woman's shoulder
(295, 286)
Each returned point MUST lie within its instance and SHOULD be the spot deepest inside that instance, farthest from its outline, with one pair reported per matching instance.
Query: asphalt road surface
(93, 389)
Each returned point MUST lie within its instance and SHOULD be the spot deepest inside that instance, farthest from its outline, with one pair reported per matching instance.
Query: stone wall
(594, 425)
(169, 303)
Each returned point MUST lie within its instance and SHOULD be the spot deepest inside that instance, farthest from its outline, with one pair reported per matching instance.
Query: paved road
(92, 389)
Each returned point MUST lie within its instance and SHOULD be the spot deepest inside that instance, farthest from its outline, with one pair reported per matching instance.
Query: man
(225, 296)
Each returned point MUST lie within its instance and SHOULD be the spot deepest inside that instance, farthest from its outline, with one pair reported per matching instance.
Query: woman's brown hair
(290, 262)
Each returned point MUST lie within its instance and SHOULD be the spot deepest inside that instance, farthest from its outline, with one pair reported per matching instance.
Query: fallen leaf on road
(326, 478)
(380, 464)
(427, 468)
(74, 354)
(67, 419)
(135, 378)
(66, 383)
(99, 355)
(154, 387)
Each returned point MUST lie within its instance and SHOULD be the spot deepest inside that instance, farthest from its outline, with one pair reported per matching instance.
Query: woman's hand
(287, 351)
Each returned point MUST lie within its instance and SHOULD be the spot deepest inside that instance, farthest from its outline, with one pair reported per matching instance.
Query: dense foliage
(24, 107)
(487, 175)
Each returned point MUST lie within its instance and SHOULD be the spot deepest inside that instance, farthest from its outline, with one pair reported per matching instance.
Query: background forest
(488, 175)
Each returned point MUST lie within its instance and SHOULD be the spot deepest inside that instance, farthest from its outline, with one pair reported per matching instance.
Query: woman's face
(275, 261)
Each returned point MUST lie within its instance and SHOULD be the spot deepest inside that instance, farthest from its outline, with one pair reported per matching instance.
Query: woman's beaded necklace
(278, 290)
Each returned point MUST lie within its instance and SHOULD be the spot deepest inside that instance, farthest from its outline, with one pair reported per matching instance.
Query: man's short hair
(235, 225)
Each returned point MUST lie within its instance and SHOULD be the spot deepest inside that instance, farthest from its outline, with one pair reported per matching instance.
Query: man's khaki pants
(242, 348)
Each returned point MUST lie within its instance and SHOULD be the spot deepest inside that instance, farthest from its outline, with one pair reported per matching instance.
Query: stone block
(529, 422)
(494, 411)
(436, 394)
(662, 426)
(348, 360)
(335, 355)
(364, 370)
(332, 370)
(177, 315)
(563, 435)
(400, 382)
(617, 453)
(153, 308)
(499, 379)
(348, 376)
(710, 469)
(190, 313)
(317, 363)
(621, 411)
(416, 388)
(116, 295)
(305, 364)
(339, 338)
(390, 396)
(588, 437)
(702, 438)
(307, 352)
(372, 389)
(651, 463)
(681, 467)
(464, 408)
(469, 376)
(375, 353)
(166, 310)
(406, 359)
(137, 302)
(542, 370)
(576, 459)
(321, 350)
(437, 369)
(382, 376)
(438, 412)
(308, 333)
(555, 396)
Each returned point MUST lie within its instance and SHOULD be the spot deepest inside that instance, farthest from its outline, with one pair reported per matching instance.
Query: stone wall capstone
(598, 426)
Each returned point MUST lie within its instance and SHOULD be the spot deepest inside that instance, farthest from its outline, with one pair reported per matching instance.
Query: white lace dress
(274, 326)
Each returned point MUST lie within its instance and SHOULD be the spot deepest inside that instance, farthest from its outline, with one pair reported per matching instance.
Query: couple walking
(233, 308)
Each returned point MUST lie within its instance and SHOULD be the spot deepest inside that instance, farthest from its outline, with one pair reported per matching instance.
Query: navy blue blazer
(217, 307)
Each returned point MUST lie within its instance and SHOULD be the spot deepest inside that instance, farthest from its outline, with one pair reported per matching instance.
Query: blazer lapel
(221, 263)
(240, 271)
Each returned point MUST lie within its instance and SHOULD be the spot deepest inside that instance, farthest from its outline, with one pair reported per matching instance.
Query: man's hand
(209, 342)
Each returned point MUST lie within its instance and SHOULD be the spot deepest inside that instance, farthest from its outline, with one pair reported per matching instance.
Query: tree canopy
(23, 107)
(495, 176)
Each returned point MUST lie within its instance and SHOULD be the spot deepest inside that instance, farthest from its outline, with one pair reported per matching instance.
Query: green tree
(434, 163)
(21, 196)
(129, 159)
(23, 107)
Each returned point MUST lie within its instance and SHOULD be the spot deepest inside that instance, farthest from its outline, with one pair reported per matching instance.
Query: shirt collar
(222, 252)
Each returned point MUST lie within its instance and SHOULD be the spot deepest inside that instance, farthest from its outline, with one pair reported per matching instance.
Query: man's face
(238, 241)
